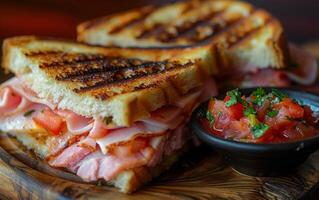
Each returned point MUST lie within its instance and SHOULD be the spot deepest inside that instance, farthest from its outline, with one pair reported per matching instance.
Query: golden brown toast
(122, 84)
(238, 32)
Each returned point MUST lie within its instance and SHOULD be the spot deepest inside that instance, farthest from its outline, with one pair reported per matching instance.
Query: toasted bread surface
(104, 82)
(237, 31)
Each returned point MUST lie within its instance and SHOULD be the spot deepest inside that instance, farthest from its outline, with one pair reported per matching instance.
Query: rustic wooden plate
(201, 174)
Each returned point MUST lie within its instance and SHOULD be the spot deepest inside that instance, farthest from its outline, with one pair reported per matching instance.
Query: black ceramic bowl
(261, 159)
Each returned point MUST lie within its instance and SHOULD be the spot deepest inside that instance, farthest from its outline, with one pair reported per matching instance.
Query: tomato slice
(236, 110)
(49, 120)
(308, 115)
(290, 108)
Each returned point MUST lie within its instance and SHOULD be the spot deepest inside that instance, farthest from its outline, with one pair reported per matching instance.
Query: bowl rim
(248, 146)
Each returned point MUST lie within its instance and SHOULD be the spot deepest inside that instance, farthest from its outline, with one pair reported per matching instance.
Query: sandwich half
(247, 44)
(111, 114)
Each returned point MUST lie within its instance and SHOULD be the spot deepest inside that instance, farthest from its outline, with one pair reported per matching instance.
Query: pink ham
(88, 142)
(266, 77)
(76, 124)
(307, 70)
(168, 117)
(88, 167)
(11, 102)
(99, 129)
(119, 135)
(18, 86)
(98, 166)
(70, 156)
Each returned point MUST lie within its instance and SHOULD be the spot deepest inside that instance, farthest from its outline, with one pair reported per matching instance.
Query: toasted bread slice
(239, 32)
(121, 84)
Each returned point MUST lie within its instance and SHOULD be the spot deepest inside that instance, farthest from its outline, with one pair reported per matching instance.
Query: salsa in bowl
(260, 131)
(262, 117)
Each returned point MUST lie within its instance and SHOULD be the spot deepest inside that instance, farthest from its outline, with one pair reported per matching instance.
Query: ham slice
(99, 166)
(76, 124)
(70, 156)
(12, 103)
(18, 86)
(266, 78)
(168, 117)
(306, 71)
(88, 142)
(99, 129)
(123, 135)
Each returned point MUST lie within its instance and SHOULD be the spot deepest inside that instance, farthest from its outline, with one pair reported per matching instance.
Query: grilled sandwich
(241, 34)
(113, 114)
(245, 45)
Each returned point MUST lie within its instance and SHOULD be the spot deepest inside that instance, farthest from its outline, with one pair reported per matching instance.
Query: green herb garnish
(107, 120)
(210, 118)
(260, 96)
(259, 92)
(28, 113)
(259, 130)
(234, 96)
(249, 110)
(272, 113)
(280, 95)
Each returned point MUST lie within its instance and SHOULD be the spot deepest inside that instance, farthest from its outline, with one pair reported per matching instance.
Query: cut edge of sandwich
(127, 181)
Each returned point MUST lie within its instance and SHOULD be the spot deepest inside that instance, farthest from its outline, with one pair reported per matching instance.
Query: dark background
(59, 18)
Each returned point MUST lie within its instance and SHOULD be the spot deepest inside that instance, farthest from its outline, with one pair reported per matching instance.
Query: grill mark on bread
(161, 33)
(104, 76)
(186, 28)
(240, 37)
(212, 23)
(92, 68)
(144, 13)
(120, 78)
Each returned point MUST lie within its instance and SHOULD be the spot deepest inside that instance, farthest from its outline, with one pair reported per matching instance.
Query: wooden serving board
(201, 174)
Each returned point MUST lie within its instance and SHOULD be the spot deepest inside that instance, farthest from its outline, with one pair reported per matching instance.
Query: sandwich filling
(303, 69)
(94, 148)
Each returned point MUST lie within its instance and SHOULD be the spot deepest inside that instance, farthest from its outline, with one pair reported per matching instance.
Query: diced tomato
(49, 120)
(236, 110)
(222, 115)
(298, 132)
(262, 111)
(308, 115)
(280, 122)
(289, 108)
(238, 129)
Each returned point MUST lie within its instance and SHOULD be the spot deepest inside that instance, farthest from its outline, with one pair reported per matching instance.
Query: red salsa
(260, 118)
